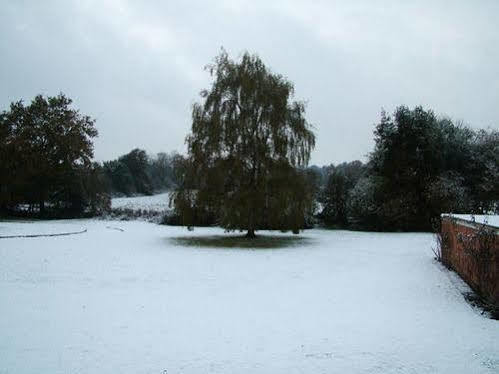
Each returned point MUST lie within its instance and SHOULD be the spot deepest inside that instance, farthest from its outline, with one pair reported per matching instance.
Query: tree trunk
(251, 234)
(41, 202)
(251, 225)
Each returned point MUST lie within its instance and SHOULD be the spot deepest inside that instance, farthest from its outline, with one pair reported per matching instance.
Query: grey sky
(137, 67)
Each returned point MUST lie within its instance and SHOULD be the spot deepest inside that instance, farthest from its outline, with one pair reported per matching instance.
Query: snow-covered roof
(490, 220)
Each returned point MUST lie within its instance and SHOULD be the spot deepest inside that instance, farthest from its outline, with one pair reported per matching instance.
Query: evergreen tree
(6, 160)
(423, 166)
(405, 159)
(246, 152)
(482, 178)
(342, 179)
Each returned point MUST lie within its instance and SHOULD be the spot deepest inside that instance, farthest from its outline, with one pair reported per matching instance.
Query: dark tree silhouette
(47, 149)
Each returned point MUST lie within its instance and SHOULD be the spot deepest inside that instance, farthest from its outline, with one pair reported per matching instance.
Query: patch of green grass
(232, 241)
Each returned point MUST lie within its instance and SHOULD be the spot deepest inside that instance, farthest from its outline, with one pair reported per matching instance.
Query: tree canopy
(47, 152)
(139, 173)
(422, 165)
(247, 150)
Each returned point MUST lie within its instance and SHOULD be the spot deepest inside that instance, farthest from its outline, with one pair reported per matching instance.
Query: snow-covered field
(131, 301)
(157, 203)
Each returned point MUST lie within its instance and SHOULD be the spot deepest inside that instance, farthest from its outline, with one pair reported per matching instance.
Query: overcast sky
(137, 67)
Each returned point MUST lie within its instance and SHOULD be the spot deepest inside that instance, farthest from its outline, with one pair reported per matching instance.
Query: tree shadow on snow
(233, 241)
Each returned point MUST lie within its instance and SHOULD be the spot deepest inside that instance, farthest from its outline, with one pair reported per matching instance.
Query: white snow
(492, 220)
(23, 228)
(131, 301)
(157, 203)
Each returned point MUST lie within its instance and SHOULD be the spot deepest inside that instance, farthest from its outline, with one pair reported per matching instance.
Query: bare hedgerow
(442, 243)
(127, 214)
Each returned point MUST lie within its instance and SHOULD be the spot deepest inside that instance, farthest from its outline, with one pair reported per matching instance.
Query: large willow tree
(247, 151)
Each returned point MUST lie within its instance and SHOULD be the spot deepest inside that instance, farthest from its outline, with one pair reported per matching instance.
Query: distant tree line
(47, 167)
(137, 173)
(421, 165)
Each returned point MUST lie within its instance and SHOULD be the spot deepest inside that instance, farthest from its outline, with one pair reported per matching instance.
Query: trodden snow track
(43, 235)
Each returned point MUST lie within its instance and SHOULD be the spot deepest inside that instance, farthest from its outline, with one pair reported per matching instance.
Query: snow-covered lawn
(37, 228)
(111, 301)
(157, 203)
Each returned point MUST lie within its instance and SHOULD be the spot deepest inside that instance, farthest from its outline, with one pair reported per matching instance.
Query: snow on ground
(490, 219)
(131, 301)
(157, 203)
(23, 228)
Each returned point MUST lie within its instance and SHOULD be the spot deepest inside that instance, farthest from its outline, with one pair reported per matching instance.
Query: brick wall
(472, 250)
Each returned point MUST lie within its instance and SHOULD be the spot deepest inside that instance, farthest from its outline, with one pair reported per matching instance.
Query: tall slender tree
(247, 151)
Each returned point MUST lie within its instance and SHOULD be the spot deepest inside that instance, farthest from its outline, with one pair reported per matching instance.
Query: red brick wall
(463, 250)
